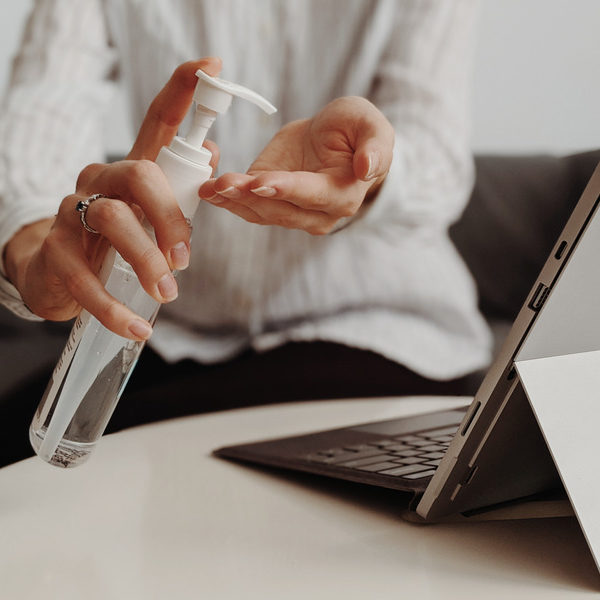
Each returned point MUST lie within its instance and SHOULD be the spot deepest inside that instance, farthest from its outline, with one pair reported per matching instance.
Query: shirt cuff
(10, 297)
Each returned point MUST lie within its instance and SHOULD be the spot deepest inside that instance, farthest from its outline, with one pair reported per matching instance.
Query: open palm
(314, 171)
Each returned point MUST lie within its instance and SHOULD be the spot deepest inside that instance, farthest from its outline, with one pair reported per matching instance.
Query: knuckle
(151, 256)
(107, 211)
(68, 205)
(111, 312)
(139, 177)
(87, 174)
(75, 281)
(174, 224)
(140, 171)
(52, 244)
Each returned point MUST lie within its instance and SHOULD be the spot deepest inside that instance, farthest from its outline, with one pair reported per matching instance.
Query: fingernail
(203, 194)
(373, 166)
(140, 329)
(180, 256)
(230, 192)
(167, 286)
(264, 190)
(214, 199)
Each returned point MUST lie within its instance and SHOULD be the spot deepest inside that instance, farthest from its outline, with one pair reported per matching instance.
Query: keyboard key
(433, 448)
(399, 448)
(445, 431)
(442, 438)
(357, 447)
(378, 467)
(408, 439)
(319, 457)
(336, 457)
(433, 455)
(353, 455)
(435, 463)
(419, 443)
(404, 470)
(403, 452)
(369, 460)
(382, 443)
(420, 475)
(408, 460)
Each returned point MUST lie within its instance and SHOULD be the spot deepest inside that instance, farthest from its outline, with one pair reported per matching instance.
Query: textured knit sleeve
(422, 86)
(51, 118)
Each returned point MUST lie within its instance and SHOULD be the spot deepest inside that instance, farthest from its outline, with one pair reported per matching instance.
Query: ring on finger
(82, 207)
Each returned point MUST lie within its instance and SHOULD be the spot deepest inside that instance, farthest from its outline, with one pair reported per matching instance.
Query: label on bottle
(65, 361)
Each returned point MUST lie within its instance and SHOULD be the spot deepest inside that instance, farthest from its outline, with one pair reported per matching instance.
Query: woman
(321, 264)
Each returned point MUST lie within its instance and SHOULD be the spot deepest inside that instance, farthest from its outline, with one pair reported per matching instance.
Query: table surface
(154, 515)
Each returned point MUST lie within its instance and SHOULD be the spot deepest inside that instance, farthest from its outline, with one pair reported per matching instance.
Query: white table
(154, 515)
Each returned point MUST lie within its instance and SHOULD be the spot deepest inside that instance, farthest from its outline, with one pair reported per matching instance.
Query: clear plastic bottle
(93, 368)
(96, 363)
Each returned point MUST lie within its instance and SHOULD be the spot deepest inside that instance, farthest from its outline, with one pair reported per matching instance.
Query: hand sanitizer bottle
(96, 363)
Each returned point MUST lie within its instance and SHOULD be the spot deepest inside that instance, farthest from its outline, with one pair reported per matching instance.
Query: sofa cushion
(518, 208)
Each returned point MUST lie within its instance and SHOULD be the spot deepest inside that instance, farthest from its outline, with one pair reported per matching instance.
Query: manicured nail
(264, 190)
(167, 286)
(180, 256)
(216, 199)
(140, 329)
(203, 194)
(373, 166)
(230, 192)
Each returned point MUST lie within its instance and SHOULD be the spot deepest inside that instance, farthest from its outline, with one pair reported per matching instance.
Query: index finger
(169, 108)
(89, 292)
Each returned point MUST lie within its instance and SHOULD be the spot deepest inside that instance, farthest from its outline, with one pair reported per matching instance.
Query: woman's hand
(314, 171)
(54, 263)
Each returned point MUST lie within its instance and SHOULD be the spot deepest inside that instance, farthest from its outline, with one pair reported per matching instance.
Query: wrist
(21, 247)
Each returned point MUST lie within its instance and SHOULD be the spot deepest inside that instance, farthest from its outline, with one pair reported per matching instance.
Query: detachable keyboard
(400, 454)
(410, 456)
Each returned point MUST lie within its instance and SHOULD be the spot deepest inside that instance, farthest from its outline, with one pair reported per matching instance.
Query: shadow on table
(546, 550)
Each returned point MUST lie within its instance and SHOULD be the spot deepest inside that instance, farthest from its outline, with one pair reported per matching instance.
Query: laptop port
(469, 419)
(470, 476)
(539, 297)
(561, 249)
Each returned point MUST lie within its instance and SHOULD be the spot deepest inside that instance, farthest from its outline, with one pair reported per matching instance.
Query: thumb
(169, 108)
(373, 147)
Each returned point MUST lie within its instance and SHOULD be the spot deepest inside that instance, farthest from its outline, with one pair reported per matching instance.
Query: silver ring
(82, 207)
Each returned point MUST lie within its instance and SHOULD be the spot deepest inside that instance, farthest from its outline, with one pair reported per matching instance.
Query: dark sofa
(517, 210)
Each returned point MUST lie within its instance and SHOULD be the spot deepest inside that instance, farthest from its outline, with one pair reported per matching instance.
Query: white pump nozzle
(212, 96)
(216, 94)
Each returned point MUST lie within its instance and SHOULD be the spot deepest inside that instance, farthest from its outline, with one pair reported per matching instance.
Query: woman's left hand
(313, 172)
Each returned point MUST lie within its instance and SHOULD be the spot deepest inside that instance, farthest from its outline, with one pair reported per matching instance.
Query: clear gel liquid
(93, 371)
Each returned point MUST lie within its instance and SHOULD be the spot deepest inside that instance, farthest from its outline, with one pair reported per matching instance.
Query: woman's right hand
(54, 263)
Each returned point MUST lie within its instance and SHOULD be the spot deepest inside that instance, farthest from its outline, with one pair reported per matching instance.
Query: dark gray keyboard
(410, 456)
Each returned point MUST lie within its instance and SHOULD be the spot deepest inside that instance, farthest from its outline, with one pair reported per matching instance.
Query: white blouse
(390, 282)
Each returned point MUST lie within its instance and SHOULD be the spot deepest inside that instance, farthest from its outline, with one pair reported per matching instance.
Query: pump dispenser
(212, 96)
(96, 363)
